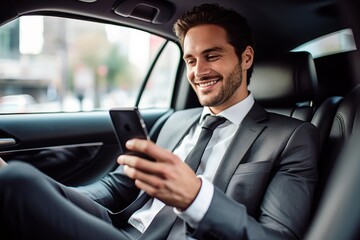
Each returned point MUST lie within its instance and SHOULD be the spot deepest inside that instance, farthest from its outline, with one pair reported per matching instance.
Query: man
(255, 179)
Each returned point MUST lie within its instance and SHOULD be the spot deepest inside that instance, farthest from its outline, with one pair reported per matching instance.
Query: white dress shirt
(210, 162)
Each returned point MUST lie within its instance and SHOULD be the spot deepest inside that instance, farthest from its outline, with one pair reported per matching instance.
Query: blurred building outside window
(71, 65)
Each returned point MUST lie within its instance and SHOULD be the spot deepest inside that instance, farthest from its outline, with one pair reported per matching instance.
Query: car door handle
(7, 142)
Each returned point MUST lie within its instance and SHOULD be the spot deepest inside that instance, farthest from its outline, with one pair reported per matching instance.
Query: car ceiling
(279, 25)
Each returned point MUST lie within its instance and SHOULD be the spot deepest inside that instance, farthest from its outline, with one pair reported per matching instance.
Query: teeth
(202, 85)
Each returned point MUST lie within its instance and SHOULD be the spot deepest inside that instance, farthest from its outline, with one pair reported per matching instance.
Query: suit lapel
(173, 132)
(248, 131)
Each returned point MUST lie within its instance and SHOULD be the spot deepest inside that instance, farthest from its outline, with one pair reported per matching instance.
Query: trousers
(34, 206)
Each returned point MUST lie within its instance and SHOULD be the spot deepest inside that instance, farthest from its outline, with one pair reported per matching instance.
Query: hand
(167, 178)
(2, 163)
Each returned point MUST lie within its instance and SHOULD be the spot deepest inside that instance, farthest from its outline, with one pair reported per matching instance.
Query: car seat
(347, 118)
(286, 84)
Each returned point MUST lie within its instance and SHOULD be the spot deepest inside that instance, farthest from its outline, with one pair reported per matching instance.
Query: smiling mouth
(207, 84)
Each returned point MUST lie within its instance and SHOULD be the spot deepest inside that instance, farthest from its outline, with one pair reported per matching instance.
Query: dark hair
(238, 31)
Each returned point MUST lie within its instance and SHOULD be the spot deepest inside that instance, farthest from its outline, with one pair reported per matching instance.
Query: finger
(151, 149)
(135, 162)
(148, 188)
(2, 162)
(145, 181)
(143, 165)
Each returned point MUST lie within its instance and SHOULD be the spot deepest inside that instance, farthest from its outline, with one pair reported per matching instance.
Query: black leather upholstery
(346, 115)
(324, 116)
(286, 84)
(347, 118)
(339, 211)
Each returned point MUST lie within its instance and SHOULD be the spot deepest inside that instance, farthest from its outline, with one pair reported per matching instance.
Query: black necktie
(194, 157)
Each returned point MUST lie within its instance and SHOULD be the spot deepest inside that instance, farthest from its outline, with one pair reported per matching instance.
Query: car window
(159, 88)
(53, 64)
(336, 42)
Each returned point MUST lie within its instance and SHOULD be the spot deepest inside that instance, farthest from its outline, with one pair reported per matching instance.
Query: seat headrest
(284, 80)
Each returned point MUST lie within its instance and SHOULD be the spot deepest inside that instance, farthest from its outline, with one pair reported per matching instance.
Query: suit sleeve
(285, 208)
(114, 191)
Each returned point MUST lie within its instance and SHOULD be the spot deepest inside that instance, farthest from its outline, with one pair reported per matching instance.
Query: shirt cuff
(196, 211)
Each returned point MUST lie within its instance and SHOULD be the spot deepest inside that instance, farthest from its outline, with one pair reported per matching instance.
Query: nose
(201, 69)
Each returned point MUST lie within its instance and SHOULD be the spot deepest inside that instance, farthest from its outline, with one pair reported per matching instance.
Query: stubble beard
(228, 89)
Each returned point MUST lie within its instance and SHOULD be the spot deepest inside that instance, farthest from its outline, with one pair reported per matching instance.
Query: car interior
(79, 147)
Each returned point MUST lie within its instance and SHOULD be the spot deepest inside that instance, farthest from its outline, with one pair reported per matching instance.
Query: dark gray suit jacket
(264, 185)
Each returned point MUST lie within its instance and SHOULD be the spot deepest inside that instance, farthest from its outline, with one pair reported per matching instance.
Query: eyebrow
(214, 49)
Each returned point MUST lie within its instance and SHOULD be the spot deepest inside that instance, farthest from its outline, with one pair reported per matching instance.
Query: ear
(247, 58)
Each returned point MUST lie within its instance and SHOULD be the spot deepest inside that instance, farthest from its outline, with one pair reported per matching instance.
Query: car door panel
(73, 148)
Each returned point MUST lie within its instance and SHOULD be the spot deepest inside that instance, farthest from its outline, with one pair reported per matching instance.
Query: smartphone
(128, 124)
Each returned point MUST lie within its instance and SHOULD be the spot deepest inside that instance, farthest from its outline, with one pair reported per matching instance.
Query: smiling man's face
(213, 68)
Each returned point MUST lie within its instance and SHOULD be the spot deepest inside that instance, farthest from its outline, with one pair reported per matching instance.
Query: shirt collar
(235, 114)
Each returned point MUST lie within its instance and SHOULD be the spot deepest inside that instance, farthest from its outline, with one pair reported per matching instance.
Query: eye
(190, 61)
(212, 57)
